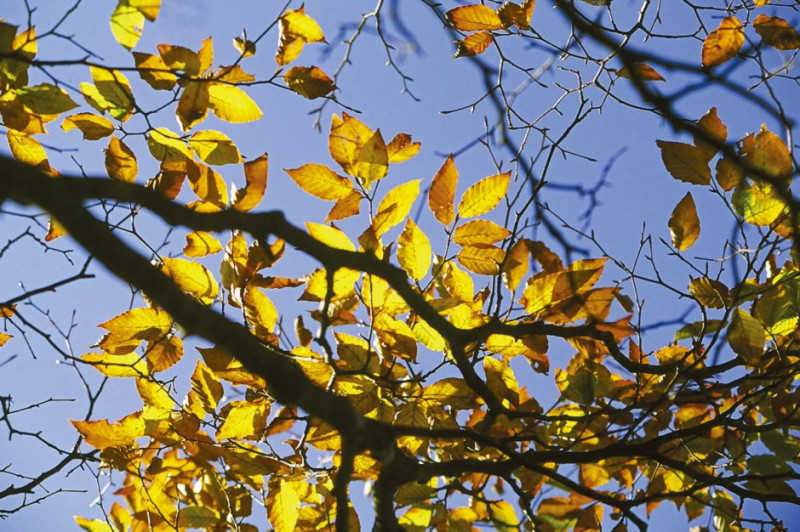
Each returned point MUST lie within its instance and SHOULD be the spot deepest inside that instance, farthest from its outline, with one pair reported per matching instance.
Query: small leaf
(479, 232)
(713, 127)
(723, 43)
(474, 18)
(684, 225)
(193, 104)
(192, 278)
(120, 161)
(246, 48)
(207, 184)
(414, 251)
(345, 207)
(309, 82)
(154, 71)
(728, 173)
(776, 32)
(255, 173)
(484, 195)
(372, 160)
(746, 337)
(519, 15)
(640, 71)
(395, 206)
(167, 147)
(516, 265)
(213, 147)
(473, 44)
(93, 127)
(180, 58)
(710, 293)
(200, 244)
(320, 181)
(685, 162)
(126, 24)
(443, 191)
(232, 104)
(111, 91)
(401, 148)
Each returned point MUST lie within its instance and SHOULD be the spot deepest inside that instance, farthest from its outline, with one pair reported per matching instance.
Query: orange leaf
(474, 18)
(684, 225)
(120, 161)
(442, 192)
(401, 148)
(639, 71)
(723, 43)
(309, 82)
(511, 13)
(102, 434)
(345, 207)
(777, 33)
(713, 127)
(685, 162)
(320, 181)
(255, 174)
(473, 44)
(193, 105)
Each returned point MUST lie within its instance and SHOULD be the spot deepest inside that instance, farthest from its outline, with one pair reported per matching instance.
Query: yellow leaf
(320, 181)
(401, 148)
(206, 387)
(372, 161)
(519, 15)
(395, 206)
(126, 24)
(163, 353)
(729, 174)
(479, 232)
(154, 71)
(776, 32)
(546, 289)
(309, 82)
(758, 204)
(442, 192)
(148, 8)
(207, 184)
(501, 380)
(102, 434)
(157, 402)
(298, 24)
(345, 207)
(180, 58)
(429, 336)
(482, 259)
(45, 99)
(484, 195)
(723, 43)
(684, 225)
(16, 116)
(473, 44)
(120, 161)
(255, 174)
(168, 147)
(458, 283)
(709, 292)
(112, 92)
(516, 265)
(4, 338)
(125, 365)
(746, 337)
(283, 506)
(260, 311)
(767, 152)
(232, 104)
(245, 47)
(193, 105)
(213, 147)
(192, 516)
(93, 127)
(414, 251)
(205, 55)
(685, 162)
(347, 136)
(27, 149)
(200, 244)
(503, 516)
(474, 18)
(330, 236)
(127, 330)
(243, 420)
(95, 525)
(192, 278)
(396, 338)
(23, 45)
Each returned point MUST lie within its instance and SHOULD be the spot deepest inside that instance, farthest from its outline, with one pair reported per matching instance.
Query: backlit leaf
(255, 174)
(309, 82)
(154, 71)
(283, 505)
(28, 150)
(347, 136)
(484, 195)
(102, 434)
(414, 251)
(129, 329)
(443, 191)
(296, 29)
(684, 225)
(126, 24)
(474, 18)
(95, 525)
(93, 127)
(767, 152)
(723, 43)
(120, 161)
(482, 259)
(479, 232)
(245, 47)
(519, 15)
(125, 365)
(320, 181)
(207, 184)
(641, 71)
(516, 265)
(685, 162)
(192, 278)
(45, 99)
(193, 105)
(243, 420)
(758, 204)
(200, 244)
(401, 148)
(776, 32)
(345, 207)
(232, 104)
(180, 58)
(372, 160)
(168, 147)
(728, 173)
(330, 236)
(213, 147)
(111, 92)
(711, 125)
(473, 44)
(206, 387)
(746, 337)
(395, 206)
(709, 292)
(193, 516)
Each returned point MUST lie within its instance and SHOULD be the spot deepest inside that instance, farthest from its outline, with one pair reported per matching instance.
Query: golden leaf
(479, 232)
(401, 148)
(126, 24)
(475, 17)
(243, 420)
(45, 99)
(213, 147)
(207, 184)
(255, 174)
(746, 337)
(154, 71)
(473, 44)
(345, 207)
(713, 127)
(320, 181)
(776, 32)
(767, 152)
(101, 434)
(685, 162)
(684, 225)
(347, 136)
(167, 147)
(283, 506)
(120, 161)
(443, 191)
(93, 127)
(330, 236)
(395, 206)
(484, 195)
(414, 251)
(200, 244)
(26, 149)
(640, 71)
(180, 58)
(192, 278)
(372, 160)
(309, 82)
(232, 104)
(709, 292)
(193, 105)
(516, 265)
(482, 259)
(723, 43)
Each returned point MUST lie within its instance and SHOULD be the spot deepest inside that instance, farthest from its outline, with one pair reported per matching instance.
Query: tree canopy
(515, 323)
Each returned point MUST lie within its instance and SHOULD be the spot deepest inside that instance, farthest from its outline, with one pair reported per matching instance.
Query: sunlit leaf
(482, 259)
(474, 18)
(193, 516)
(309, 82)
(111, 92)
(193, 105)
(514, 14)
(26, 149)
(330, 236)
(232, 104)
(243, 420)
(372, 160)
(767, 152)
(758, 204)
(685, 162)
(166, 146)
(192, 278)
(723, 43)
(479, 232)
(296, 29)
(516, 265)
(120, 161)
(126, 24)
(395, 206)
(641, 71)
(473, 44)
(776, 32)
(746, 337)
(245, 47)
(401, 148)
(200, 244)
(684, 225)
(282, 506)
(153, 70)
(320, 181)
(484, 195)
(443, 191)
(345, 207)
(125, 365)
(414, 251)
(207, 184)
(95, 525)
(709, 292)
(45, 99)
(728, 174)
(101, 434)
(712, 126)
(255, 173)
(213, 147)
(92, 126)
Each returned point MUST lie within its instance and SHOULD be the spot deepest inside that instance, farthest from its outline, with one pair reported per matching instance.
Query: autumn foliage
(421, 311)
